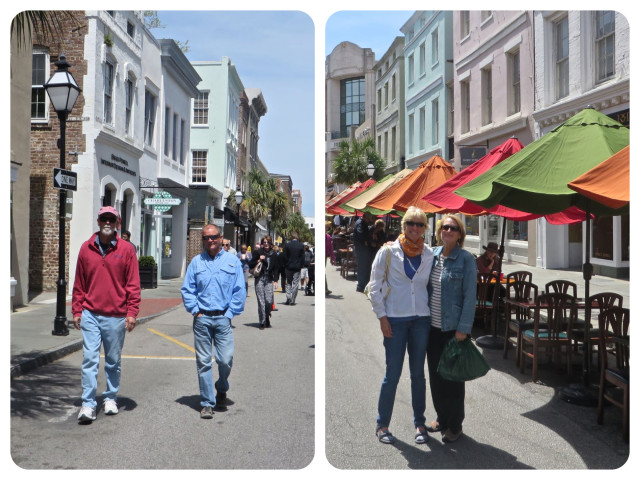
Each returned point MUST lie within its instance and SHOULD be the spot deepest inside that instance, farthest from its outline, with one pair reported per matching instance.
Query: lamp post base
(492, 342)
(579, 394)
(60, 327)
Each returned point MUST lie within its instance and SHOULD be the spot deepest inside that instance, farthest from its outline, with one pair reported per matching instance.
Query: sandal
(421, 435)
(434, 427)
(384, 436)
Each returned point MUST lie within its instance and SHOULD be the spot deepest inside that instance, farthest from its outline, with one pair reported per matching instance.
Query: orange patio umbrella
(410, 190)
(608, 182)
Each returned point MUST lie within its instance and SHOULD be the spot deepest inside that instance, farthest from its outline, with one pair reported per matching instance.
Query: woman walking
(399, 299)
(452, 291)
(266, 281)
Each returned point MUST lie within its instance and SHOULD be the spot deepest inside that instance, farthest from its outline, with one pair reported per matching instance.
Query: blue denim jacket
(458, 287)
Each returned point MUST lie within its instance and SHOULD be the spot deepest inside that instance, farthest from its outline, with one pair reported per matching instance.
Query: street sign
(65, 179)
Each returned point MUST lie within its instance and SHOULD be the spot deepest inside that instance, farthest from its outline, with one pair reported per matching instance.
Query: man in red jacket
(106, 302)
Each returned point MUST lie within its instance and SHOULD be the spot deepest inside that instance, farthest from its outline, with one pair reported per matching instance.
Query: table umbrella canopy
(535, 178)
(608, 182)
(337, 199)
(410, 190)
(359, 202)
(444, 196)
(337, 210)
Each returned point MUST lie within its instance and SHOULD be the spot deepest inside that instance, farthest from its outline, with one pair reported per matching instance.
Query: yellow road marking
(177, 342)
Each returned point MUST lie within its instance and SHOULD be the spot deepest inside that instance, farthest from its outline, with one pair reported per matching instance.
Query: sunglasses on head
(414, 224)
(211, 237)
(453, 228)
(107, 218)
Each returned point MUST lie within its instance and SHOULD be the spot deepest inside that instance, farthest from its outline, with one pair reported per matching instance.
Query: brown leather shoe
(449, 437)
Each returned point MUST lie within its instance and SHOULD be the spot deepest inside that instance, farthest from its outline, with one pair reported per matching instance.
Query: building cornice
(601, 98)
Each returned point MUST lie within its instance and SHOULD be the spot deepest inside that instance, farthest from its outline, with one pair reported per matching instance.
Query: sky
(272, 51)
(367, 29)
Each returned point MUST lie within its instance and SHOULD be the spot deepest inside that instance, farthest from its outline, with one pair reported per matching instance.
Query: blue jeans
(412, 336)
(100, 330)
(216, 330)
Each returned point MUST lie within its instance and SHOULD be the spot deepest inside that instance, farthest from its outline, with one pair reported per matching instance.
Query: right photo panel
(477, 236)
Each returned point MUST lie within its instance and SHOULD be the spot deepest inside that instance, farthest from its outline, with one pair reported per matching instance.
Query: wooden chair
(562, 286)
(339, 243)
(518, 319)
(559, 308)
(603, 301)
(613, 329)
(519, 276)
(349, 263)
(486, 297)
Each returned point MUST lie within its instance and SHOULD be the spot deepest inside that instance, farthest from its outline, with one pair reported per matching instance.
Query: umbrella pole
(494, 342)
(433, 231)
(582, 394)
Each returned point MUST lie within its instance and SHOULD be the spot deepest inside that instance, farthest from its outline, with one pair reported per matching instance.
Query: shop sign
(162, 201)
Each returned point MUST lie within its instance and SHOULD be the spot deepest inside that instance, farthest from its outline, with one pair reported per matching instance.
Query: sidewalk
(33, 345)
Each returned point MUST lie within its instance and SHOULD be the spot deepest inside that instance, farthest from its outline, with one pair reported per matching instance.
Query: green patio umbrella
(535, 180)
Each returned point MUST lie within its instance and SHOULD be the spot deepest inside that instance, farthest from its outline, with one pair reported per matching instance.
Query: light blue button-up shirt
(214, 284)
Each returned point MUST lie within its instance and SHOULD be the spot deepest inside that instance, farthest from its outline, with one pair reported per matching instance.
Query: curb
(24, 365)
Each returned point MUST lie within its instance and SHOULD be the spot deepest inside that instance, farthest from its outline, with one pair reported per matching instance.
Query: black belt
(214, 313)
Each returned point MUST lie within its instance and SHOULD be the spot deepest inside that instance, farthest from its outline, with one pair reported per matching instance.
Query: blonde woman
(452, 293)
(399, 298)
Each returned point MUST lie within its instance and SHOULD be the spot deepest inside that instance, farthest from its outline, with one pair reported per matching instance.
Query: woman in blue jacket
(452, 295)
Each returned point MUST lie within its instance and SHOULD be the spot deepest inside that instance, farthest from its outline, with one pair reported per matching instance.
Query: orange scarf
(409, 248)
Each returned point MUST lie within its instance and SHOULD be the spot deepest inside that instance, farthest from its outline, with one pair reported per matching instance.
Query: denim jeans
(100, 330)
(410, 336)
(216, 330)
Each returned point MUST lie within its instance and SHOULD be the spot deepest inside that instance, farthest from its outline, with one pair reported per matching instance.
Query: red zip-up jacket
(108, 285)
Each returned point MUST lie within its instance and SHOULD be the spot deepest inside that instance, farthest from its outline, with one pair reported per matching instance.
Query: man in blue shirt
(213, 292)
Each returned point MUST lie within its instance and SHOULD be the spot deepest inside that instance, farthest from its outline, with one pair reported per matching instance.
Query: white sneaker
(110, 407)
(87, 415)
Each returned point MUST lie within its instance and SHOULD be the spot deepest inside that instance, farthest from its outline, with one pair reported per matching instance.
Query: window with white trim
(174, 137)
(128, 104)
(423, 57)
(435, 47)
(605, 44)
(201, 109)
(150, 105)
(410, 70)
(411, 133)
(514, 82)
(465, 98)
(39, 76)
(107, 115)
(561, 57)
(435, 121)
(422, 125)
(464, 23)
(198, 166)
(487, 95)
(393, 87)
(167, 126)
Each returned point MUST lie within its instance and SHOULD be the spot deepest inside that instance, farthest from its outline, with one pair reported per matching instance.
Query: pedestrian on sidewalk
(213, 292)
(304, 271)
(105, 303)
(294, 261)
(266, 281)
(364, 250)
(328, 254)
(226, 245)
(399, 278)
(452, 292)
(245, 257)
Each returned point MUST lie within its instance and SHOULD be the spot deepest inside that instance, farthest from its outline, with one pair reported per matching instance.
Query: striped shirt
(435, 306)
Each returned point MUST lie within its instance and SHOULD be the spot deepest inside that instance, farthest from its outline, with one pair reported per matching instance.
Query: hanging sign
(162, 201)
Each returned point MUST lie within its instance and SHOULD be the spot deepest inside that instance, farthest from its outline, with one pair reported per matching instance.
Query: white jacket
(407, 297)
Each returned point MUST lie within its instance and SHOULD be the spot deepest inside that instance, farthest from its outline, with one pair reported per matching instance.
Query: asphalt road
(511, 422)
(269, 423)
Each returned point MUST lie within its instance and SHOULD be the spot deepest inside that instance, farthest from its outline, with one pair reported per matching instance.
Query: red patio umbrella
(335, 209)
(444, 196)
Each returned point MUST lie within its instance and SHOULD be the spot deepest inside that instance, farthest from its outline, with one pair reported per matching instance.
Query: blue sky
(367, 29)
(273, 51)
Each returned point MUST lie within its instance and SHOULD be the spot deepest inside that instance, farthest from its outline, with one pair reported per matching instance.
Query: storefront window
(624, 237)
(603, 238)
(517, 230)
(494, 224)
(472, 225)
(166, 238)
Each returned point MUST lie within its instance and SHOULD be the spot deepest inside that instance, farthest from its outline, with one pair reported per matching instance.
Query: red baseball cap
(108, 209)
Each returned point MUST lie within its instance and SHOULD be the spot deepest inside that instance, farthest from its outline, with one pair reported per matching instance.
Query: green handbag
(462, 361)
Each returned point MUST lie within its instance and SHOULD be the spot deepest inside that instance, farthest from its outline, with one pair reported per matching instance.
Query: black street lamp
(63, 92)
(238, 197)
(371, 169)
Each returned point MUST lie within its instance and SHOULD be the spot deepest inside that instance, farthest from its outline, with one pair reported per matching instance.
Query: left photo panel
(162, 240)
